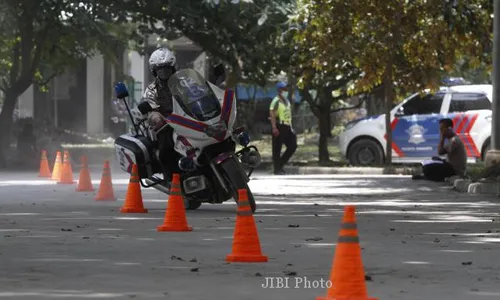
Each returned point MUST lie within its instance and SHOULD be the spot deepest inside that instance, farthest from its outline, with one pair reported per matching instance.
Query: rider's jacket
(159, 97)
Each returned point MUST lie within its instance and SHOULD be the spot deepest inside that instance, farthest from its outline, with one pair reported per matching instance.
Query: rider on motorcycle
(157, 94)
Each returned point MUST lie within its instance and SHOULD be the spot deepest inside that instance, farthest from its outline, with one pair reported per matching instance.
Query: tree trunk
(6, 125)
(388, 75)
(330, 126)
(388, 106)
(232, 80)
(324, 129)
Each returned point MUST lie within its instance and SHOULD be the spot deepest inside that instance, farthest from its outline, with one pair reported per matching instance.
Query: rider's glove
(156, 120)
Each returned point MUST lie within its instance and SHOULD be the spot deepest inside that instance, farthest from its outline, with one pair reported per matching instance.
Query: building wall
(95, 94)
(80, 99)
(64, 104)
(26, 104)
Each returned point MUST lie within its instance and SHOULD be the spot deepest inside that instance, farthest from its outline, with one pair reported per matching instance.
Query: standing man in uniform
(283, 133)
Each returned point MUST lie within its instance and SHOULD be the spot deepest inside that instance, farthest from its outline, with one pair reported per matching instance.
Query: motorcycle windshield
(194, 95)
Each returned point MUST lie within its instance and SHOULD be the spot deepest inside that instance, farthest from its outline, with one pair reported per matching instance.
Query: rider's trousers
(169, 158)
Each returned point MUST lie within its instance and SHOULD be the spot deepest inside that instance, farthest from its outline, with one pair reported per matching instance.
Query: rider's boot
(167, 177)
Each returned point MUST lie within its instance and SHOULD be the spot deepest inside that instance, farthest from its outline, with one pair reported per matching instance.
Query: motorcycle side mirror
(121, 90)
(219, 74)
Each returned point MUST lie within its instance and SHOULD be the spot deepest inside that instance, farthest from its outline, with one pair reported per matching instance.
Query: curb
(347, 171)
(97, 156)
(491, 188)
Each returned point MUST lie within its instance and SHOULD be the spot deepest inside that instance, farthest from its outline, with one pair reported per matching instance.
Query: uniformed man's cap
(281, 85)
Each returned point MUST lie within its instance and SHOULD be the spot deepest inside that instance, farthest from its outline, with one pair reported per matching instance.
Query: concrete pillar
(137, 70)
(493, 156)
(26, 103)
(95, 94)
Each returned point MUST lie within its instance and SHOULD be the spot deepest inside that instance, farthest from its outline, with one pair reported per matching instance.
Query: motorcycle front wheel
(233, 175)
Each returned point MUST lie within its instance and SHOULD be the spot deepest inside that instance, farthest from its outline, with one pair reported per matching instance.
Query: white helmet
(161, 57)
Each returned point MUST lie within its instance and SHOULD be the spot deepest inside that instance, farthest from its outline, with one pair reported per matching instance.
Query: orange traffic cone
(84, 181)
(44, 166)
(70, 168)
(347, 275)
(106, 192)
(175, 214)
(133, 199)
(67, 171)
(56, 173)
(246, 244)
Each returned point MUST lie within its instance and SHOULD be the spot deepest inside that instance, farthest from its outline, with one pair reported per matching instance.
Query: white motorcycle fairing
(190, 134)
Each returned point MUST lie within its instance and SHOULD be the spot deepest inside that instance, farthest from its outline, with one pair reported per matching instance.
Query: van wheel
(366, 152)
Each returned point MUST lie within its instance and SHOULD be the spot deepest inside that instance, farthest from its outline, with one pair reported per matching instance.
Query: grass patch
(475, 171)
(480, 172)
(89, 146)
(307, 150)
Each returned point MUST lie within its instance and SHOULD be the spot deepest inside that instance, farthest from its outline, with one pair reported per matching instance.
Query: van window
(462, 102)
(423, 105)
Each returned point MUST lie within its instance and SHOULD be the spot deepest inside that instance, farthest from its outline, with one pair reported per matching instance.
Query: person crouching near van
(455, 163)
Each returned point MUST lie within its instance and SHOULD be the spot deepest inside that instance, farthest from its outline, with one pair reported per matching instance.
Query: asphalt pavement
(420, 240)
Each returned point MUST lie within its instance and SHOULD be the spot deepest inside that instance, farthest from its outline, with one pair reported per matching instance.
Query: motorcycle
(203, 121)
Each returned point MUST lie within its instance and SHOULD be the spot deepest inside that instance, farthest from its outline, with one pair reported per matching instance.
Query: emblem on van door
(416, 134)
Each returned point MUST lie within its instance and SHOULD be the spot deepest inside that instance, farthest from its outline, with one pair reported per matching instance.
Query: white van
(415, 127)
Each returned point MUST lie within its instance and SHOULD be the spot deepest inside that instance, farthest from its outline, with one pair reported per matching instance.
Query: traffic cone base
(84, 181)
(347, 275)
(133, 199)
(246, 244)
(106, 192)
(133, 210)
(89, 189)
(166, 228)
(327, 298)
(67, 172)
(246, 258)
(175, 214)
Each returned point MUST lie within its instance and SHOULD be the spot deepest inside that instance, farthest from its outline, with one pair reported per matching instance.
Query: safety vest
(283, 110)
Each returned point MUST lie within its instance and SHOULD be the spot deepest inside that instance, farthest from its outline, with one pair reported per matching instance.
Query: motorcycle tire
(192, 204)
(237, 181)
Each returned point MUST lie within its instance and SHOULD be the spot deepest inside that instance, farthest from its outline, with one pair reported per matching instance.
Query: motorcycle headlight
(216, 129)
(243, 139)
(186, 164)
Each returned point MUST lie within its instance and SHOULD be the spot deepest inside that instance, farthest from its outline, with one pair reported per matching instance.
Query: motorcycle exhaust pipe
(164, 190)
(158, 187)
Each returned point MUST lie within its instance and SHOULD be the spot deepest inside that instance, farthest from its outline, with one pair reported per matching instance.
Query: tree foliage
(244, 35)
(40, 38)
(323, 88)
(399, 44)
